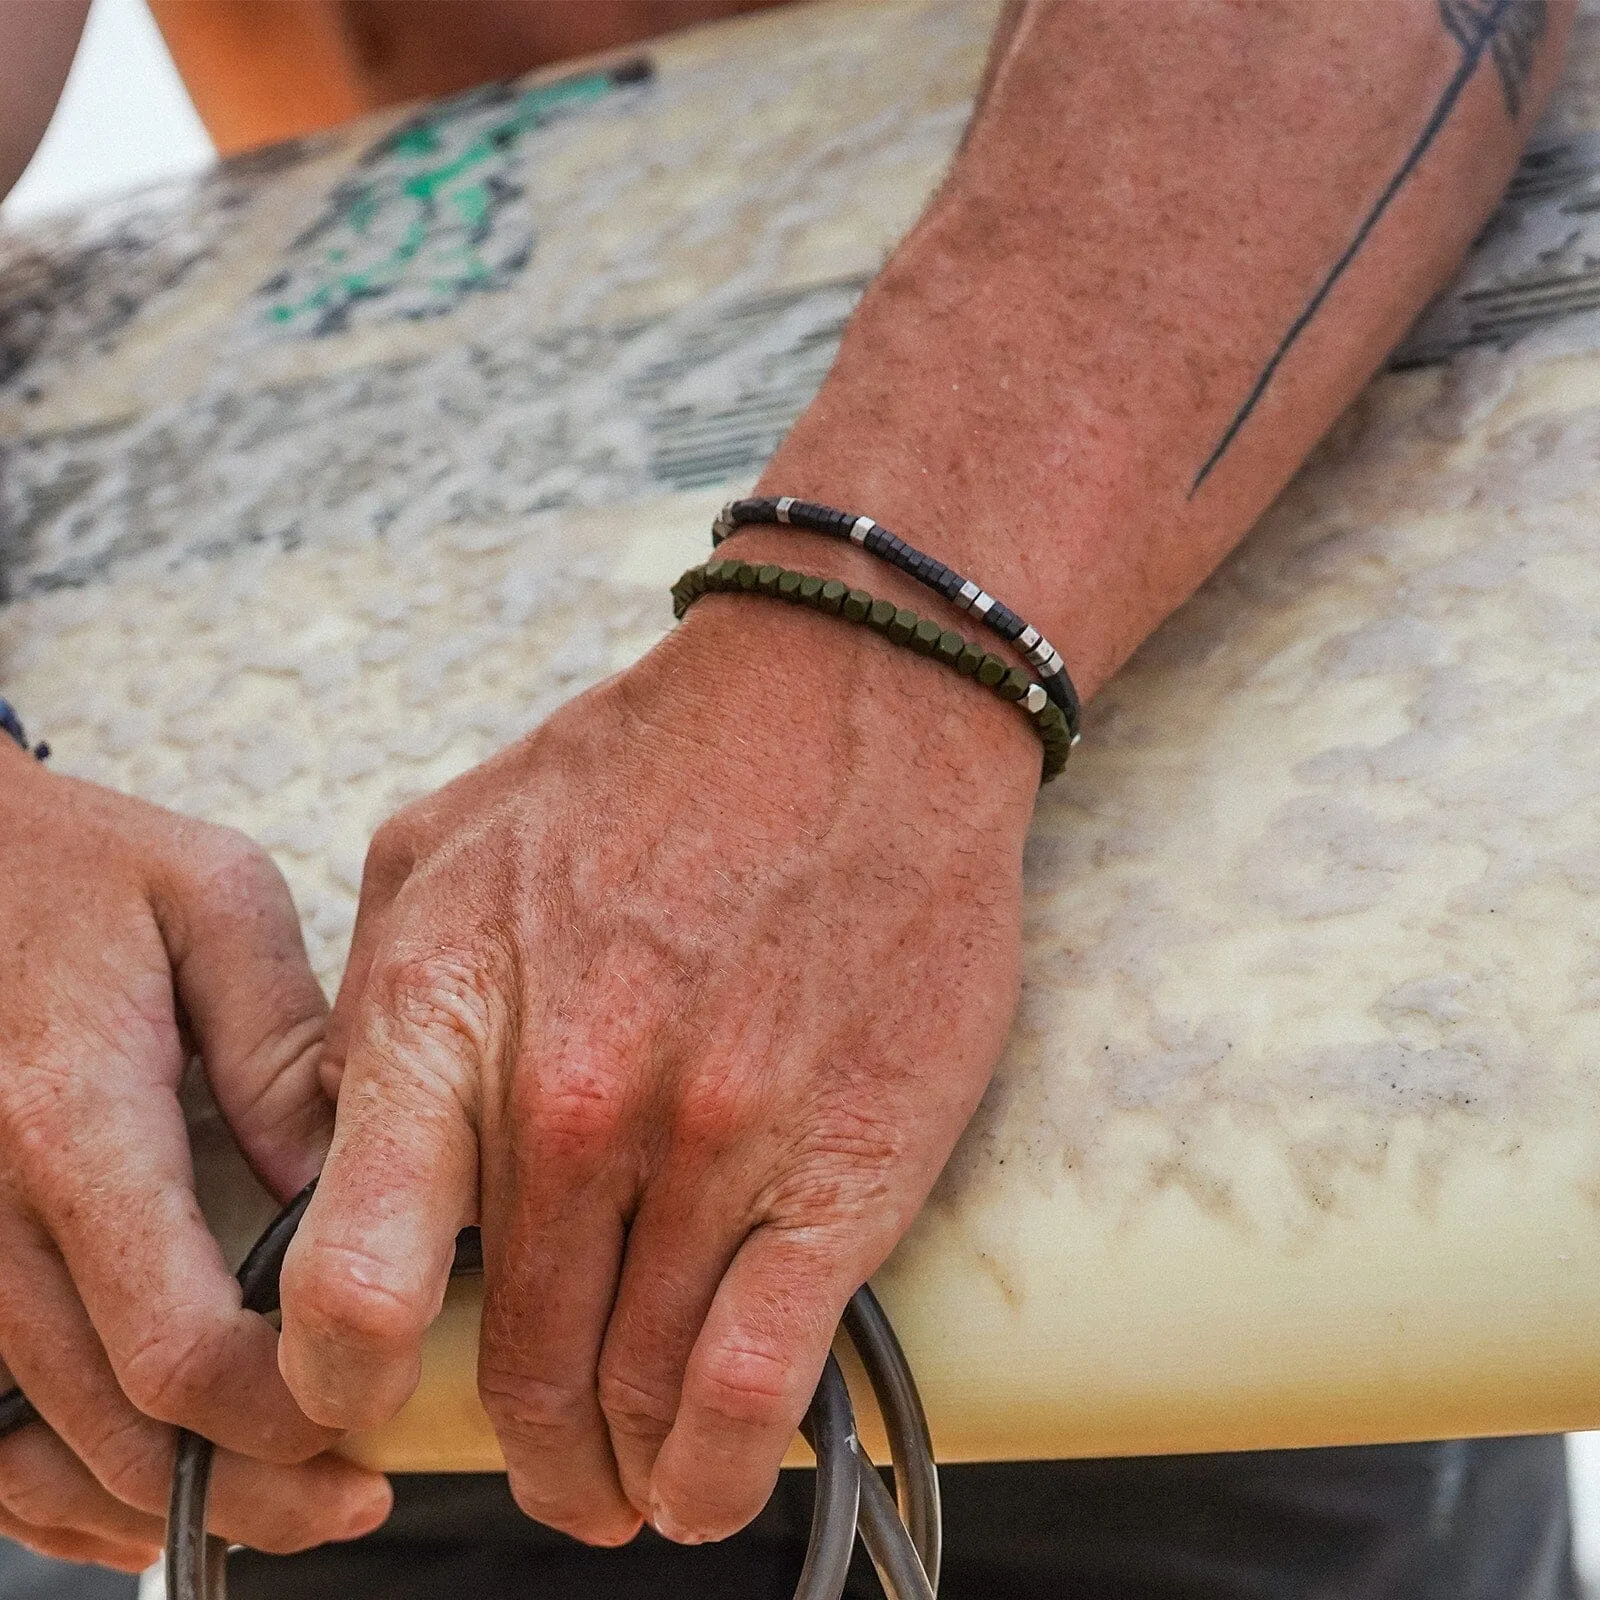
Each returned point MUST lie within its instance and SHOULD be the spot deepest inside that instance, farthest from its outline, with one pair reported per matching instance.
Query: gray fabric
(1485, 1520)
(25, 1576)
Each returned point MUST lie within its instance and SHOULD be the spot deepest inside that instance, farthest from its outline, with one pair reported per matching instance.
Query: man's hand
(128, 938)
(712, 968)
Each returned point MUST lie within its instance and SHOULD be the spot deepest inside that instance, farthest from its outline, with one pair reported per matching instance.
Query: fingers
(367, 1271)
(46, 1488)
(121, 1209)
(688, 1228)
(59, 1362)
(553, 1237)
(749, 1380)
(61, 1544)
(257, 1012)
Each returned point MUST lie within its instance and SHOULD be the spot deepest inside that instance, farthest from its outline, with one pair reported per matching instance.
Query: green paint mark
(431, 213)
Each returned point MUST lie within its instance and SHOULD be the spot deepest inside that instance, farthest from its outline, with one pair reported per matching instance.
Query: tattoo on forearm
(1508, 32)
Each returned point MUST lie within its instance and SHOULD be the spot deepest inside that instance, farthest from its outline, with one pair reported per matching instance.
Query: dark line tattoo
(1508, 32)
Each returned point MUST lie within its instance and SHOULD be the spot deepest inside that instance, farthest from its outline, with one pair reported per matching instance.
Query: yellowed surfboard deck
(328, 475)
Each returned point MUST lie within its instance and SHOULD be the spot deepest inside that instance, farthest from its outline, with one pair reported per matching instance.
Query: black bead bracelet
(899, 625)
(876, 540)
(11, 726)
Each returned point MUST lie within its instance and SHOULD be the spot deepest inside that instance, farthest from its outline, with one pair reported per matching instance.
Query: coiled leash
(901, 1532)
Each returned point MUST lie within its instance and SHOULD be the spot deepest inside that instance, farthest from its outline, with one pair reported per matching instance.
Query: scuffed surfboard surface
(322, 478)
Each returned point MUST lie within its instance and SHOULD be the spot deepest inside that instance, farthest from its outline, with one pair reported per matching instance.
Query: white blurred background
(125, 120)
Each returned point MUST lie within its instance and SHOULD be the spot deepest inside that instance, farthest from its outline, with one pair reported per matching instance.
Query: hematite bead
(767, 576)
(745, 575)
(925, 636)
(971, 658)
(832, 596)
(991, 670)
(901, 625)
(810, 589)
(856, 605)
(950, 646)
(880, 615)
(1014, 685)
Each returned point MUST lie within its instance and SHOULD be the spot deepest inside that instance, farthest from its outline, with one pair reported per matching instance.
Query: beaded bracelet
(11, 725)
(876, 540)
(900, 626)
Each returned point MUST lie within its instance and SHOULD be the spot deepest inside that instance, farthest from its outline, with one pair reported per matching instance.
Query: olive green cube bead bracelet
(899, 625)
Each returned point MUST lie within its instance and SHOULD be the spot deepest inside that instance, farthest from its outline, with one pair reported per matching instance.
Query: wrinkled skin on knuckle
(173, 1367)
(343, 1296)
(38, 1100)
(230, 868)
(441, 992)
(30, 1496)
(634, 1408)
(750, 1383)
(529, 1412)
(132, 1460)
(574, 1107)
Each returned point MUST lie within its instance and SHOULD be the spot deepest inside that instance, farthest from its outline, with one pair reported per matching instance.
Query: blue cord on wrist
(11, 723)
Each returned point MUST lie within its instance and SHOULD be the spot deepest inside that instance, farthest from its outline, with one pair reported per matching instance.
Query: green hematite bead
(902, 625)
(746, 575)
(971, 658)
(990, 671)
(789, 585)
(1015, 684)
(878, 617)
(810, 590)
(925, 636)
(767, 577)
(949, 647)
(832, 596)
(856, 606)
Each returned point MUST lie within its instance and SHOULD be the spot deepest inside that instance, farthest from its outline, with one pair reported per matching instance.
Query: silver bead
(860, 529)
(1035, 699)
(983, 605)
(1028, 638)
(969, 592)
(783, 507)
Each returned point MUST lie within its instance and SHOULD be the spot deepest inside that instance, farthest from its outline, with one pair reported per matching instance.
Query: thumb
(256, 1011)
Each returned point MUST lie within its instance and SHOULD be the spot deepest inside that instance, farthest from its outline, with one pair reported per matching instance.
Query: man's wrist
(829, 688)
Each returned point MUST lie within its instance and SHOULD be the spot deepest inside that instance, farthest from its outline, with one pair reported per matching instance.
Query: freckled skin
(687, 995)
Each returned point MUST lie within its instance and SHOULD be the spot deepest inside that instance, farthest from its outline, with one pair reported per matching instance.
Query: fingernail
(668, 1527)
(370, 1507)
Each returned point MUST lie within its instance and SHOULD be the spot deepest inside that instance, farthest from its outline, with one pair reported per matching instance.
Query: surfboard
(328, 474)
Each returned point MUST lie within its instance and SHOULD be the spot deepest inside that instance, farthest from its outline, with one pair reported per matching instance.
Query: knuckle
(439, 993)
(170, 1372)
(530, 1411)
(38, 1097)
(576, 1106)
(748, 1385)
(122, 1459)
(634, 1408)
(33, 1497)
(234, 869)
(345, 1297)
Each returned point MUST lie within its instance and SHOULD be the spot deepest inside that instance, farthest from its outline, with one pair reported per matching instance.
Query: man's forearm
(1177, 241)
